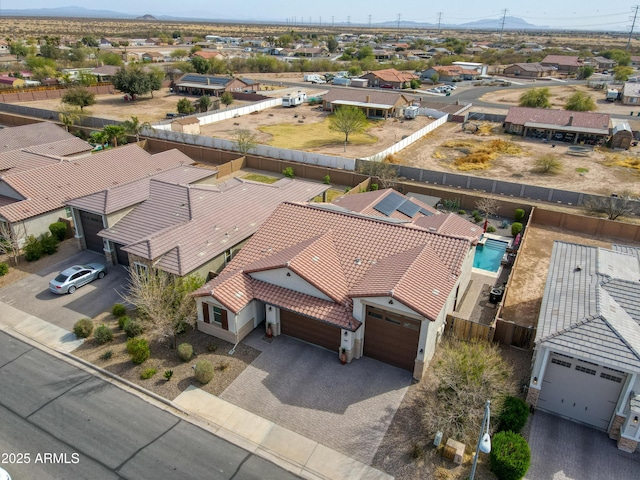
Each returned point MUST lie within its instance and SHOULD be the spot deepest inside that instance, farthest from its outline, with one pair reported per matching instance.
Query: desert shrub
(288, 172)
(374, 187)
(212, 347)
(168, 374)
(462, 212)
(519, 215)
(138, 348)
(32, 249)
(118, 310)
(224, 366)
(58, 230)
(83, 327)
(122, 322)
(477, 218)
(148, 373)
(204, 371)
(49, 243)
(491, 229)
(106, 355)
(513, 415)
(417, 452)
(326, 180)
(103, 334)
(516, 228)
(185, 352)
(510, 456)
(4, 269)
(548, 164)
(133, 328)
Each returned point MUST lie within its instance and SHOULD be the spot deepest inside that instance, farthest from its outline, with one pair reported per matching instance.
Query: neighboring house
(377, 286)
(208, 54)
(563, 63)
(587, 353)
(380, 54)
(181, 223)
(450, 73)
(314, 52)
(439, 51)
(197, 84)
(36, 197)
(479, 68)
(152, 57)
(635, 61)
(560, 125)
(600, 63)
(106, 43)
(631, 93)
(529, 70)
(11, 82)
(105, 73)
(389, 77)
(374, 103)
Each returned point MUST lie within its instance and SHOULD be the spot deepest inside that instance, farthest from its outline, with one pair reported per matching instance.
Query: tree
(100, 137)
(68, 116)
(226, 98)
(185, 106)
(435, 77)
(488, 205)
(111, 58)
(619, 56)
(245, 140)
(115, 133)
(580, 102)
(164, 300)
(332, 44)
(134, 81)
(86, 79)
(79, 97)
(12, 236)
(364, 52)
(18, 49)
(200, 65)
(621, 73)
(348, 120)
(536, 98)
(135, 127)
(179, 53)
(585, 72)
(386, 173)
(548, 164)
(613, 206)
(204, 102)
(156, 76)
(90, 41)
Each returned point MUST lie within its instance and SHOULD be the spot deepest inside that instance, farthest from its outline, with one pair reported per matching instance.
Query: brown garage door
(310, 330)
(91, 225)
(391, 338)
(121, 255)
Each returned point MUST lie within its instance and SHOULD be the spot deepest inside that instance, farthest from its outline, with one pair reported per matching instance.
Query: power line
(504, 17)
(439, 21)
(635, 14)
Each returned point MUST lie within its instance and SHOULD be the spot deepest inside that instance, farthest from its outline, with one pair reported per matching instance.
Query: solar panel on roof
(426, 212)
(389, 204)
(409, 208)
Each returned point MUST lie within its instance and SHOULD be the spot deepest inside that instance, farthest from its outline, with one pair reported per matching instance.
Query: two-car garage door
(579, 390)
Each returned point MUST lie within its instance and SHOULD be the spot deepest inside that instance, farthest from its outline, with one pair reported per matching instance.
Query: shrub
(133, 328)
(168, 374)
(519, 215)
(491, 229)
(417, 452)
(513, 416)
(119, 310)
(223, 366)
(4, 269)
(374, 187)
(138, 348)
(106, 355)
(32, 249)
(185, 352)
(103, 334)
(203, 371)
(122, 322)
(288, 172)
(212, 347)
(326, 180)
(548, 164)
(477, 218)
(148, 373)
(462, 212)
(49, 243)
(510, 456)
(58, 230)
(516, 228)
(83, 327)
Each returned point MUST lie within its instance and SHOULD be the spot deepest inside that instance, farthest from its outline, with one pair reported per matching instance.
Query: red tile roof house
(375, 285)
(563, 63)
(450, 73)
(35, 198)
(390, 76)
(374, 103)
(575, 127)
(179, 222)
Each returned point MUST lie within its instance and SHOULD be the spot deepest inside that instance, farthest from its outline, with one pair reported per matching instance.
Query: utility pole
(349, 21)
(369, 20)
(439, 21)
(332, 24)
(504, 17)
(320, 21)
(398, 21)
(635, 14)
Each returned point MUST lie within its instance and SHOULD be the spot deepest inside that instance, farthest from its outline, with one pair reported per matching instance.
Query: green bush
(374, 187)
(462, 212)
(83, 327)
(118, 310)
(32, 249)
(288, 172)
(516, 228)
(4, 269)
(513, 416)
(491, 229)
(203, 371)
(168, 374)
(185, 352)
(510, 456)
(148, 373)
(58, 230)
(132, 328)
(122, 322)
(103, 334)
(106, 355)
(49, 243)
(138, 348)
(519, 215)
(326, 180)
(477, 218)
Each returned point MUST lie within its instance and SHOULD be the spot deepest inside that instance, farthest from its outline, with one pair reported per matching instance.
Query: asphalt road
(58, 421)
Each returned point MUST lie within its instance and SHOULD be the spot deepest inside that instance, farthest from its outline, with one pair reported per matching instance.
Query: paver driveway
(305, 389)
(564, 450)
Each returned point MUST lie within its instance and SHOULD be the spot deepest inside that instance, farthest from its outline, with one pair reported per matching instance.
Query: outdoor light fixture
(390, 302)
(484, 440)
(422, 350)
(535, 380)
(269, 308)
(288, 274)
(635, 420)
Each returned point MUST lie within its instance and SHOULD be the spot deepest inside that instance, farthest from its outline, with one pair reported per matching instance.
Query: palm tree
(69, 117)
(101, 137)
(114, 133)
(135, 127)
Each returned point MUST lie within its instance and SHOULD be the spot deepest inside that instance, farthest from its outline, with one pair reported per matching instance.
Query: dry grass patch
(305, 136)
(257, 177)
(478, 155)
(622, 160)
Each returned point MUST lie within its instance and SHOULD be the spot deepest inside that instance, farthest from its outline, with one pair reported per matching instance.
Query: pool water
(489, 256)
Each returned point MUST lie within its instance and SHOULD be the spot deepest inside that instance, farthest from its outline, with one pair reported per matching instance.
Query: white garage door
(581, 391)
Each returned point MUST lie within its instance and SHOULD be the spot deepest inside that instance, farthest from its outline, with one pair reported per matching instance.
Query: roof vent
(432, 229)
(436, 291)
(358, 261)
(315, 258)
(578, 268)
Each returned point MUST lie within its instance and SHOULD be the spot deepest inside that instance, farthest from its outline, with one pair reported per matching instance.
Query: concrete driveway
(32, 295)
(564, 450)
(305, 389)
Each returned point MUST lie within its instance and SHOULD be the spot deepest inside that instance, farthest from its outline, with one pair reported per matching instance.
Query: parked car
(69, 280)
(386, 86)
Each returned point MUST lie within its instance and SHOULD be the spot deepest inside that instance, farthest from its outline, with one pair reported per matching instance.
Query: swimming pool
(489, 256)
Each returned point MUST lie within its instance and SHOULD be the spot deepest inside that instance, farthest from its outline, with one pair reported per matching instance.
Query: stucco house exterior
(374, 103)
(197, 84)
(369, 285)
(587, 354)
(529, 70)
(631, 93)
(562, 63)
(390, 76)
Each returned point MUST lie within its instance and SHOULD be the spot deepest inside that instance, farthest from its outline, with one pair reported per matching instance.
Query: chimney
(570, 120)
(368, 100)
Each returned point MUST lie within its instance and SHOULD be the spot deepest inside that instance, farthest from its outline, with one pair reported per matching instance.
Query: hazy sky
(583, 14)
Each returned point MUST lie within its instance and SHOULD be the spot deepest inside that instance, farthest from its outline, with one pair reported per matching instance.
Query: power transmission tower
(635, 14)
(398, 21)
(320, 21)
(439, 21)
(349, 21)
(504, 17)
(369, 20)
(332, 24)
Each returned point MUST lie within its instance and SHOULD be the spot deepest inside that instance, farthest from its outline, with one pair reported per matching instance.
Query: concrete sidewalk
(283, 447)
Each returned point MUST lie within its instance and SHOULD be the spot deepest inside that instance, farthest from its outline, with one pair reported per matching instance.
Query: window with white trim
(228, 256)
(140, 268)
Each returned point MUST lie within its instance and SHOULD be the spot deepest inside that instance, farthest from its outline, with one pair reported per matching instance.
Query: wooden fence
(508, 333)
(463, 329)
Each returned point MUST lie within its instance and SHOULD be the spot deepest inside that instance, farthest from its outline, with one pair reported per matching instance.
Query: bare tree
(613, 206)
(12, 236)
(488, 205)
(386, 173)
(245, 140)
(164, 300)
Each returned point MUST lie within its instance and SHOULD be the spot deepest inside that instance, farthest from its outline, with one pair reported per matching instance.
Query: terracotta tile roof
(450, 224)
(365, 203)
(531, 67)
(61, 148)
(392, 75)
(207, 54)
(562, 60)
(325, 245)
(34, 134)
(452, 70)
(522, 115)
(189, 225)
(365, 96)
(48, 188)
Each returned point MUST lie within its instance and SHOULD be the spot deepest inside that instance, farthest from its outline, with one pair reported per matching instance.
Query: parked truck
(293, 100)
